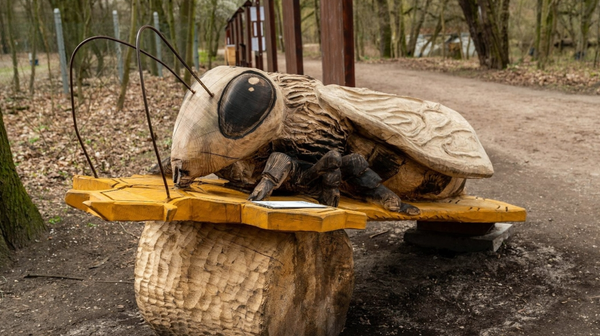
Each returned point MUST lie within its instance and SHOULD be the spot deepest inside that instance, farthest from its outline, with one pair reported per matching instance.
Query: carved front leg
(328, 168)
(365, 183)
(276, 171)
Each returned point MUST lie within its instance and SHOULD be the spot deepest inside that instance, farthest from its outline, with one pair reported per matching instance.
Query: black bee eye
(245, 103)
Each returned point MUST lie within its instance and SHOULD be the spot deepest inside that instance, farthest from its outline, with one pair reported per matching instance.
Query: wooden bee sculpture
(271, 131)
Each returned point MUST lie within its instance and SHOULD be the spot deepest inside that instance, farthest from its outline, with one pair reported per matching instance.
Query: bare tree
(417, 22)
(546, 26)
(488, 25)
(586, 9)
(129, 55)
(189, 48)
(13, 47)
(385, 28)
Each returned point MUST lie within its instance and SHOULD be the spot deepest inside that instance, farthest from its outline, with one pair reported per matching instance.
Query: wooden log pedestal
(194, 278)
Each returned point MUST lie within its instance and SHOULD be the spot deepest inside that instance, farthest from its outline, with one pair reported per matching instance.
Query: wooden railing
(251, 31)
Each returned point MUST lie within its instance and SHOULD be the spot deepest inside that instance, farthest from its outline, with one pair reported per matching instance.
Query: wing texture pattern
(432, 134)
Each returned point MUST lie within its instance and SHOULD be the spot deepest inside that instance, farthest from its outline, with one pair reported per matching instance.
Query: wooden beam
(292, 35)
(337, 42)
(270, 35)
(239, 56)
(248, 31)
(259, 36)
(240, 38)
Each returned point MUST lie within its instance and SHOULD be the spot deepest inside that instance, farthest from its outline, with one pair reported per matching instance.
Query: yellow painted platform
(143, 198)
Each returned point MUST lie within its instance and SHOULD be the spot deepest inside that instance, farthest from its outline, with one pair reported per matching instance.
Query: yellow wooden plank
(317, 220)
(140, 198)
(465, 209)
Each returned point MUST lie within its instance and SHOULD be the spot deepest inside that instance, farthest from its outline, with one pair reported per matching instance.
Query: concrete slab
(444, 241)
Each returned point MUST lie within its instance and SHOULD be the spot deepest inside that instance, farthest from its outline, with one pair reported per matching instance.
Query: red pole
(337, 42)
(270, 35)
(258, 34)
(248, 31)
(292, 33)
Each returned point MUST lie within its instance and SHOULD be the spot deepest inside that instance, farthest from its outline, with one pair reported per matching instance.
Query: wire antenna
(162, 37)
(73, 108)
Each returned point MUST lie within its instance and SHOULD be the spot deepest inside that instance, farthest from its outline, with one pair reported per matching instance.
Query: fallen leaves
(44, 145)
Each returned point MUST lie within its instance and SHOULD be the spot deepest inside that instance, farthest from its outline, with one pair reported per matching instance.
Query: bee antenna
(162, 37)
(73, 109)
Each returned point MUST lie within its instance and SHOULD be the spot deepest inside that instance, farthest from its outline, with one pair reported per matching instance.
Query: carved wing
(430, 133)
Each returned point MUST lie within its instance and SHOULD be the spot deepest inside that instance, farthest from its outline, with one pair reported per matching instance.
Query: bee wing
(432, 134)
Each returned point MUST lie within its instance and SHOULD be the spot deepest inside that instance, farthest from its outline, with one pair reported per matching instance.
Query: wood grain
(196, 278)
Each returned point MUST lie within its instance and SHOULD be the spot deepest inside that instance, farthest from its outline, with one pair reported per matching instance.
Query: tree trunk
(34, 30)
(189, 48)
(587, 8)
(318, 20)
(183, 20)
(548, 11)
(40, 25)
(400, 40)
(3, 34)
(488, 25)
(13, 48)
(417, 22)
(278, 12)
(172, 34)
(210, 31)
(20, 221)
(126, 64)
(385, 29)
(436, 32)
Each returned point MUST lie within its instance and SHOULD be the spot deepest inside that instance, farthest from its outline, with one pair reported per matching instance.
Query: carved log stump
(196, 278)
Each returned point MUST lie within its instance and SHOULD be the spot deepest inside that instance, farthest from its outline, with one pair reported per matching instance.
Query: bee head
(210, 134)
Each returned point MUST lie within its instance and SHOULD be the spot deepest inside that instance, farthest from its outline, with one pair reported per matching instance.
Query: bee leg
(276, 171)
(328, 168)
(167, 168)
(364, 182)
(330, 194)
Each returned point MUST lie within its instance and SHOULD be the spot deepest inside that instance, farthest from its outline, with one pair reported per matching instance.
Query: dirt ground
(545, 149)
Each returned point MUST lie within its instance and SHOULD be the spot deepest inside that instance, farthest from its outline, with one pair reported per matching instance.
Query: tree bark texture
(548, 13)
(488, 25)
(20, 221)
(385, 29)
(13, 48)
(189, 48)
(587, 8)
(128, 55)
(196, 278)
(417, 23)
(399, 32)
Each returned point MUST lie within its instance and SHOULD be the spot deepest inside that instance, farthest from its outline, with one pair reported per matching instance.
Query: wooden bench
(211, 262)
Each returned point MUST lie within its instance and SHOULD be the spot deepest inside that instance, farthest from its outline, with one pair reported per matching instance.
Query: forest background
(547, 43)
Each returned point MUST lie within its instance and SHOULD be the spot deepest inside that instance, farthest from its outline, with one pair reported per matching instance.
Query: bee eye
(245, 103)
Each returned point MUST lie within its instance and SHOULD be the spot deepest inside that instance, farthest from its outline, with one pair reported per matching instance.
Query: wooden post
(270, 35)
(240, 38)
(248, 31)
(234, 38)
(292, 34)
(259, 35)
(337, 42)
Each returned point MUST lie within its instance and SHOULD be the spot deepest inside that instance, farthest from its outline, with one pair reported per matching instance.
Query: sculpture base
(195, 278)
(460, 243)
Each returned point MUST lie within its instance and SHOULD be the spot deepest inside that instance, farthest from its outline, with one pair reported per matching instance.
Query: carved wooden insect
(266, 131)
